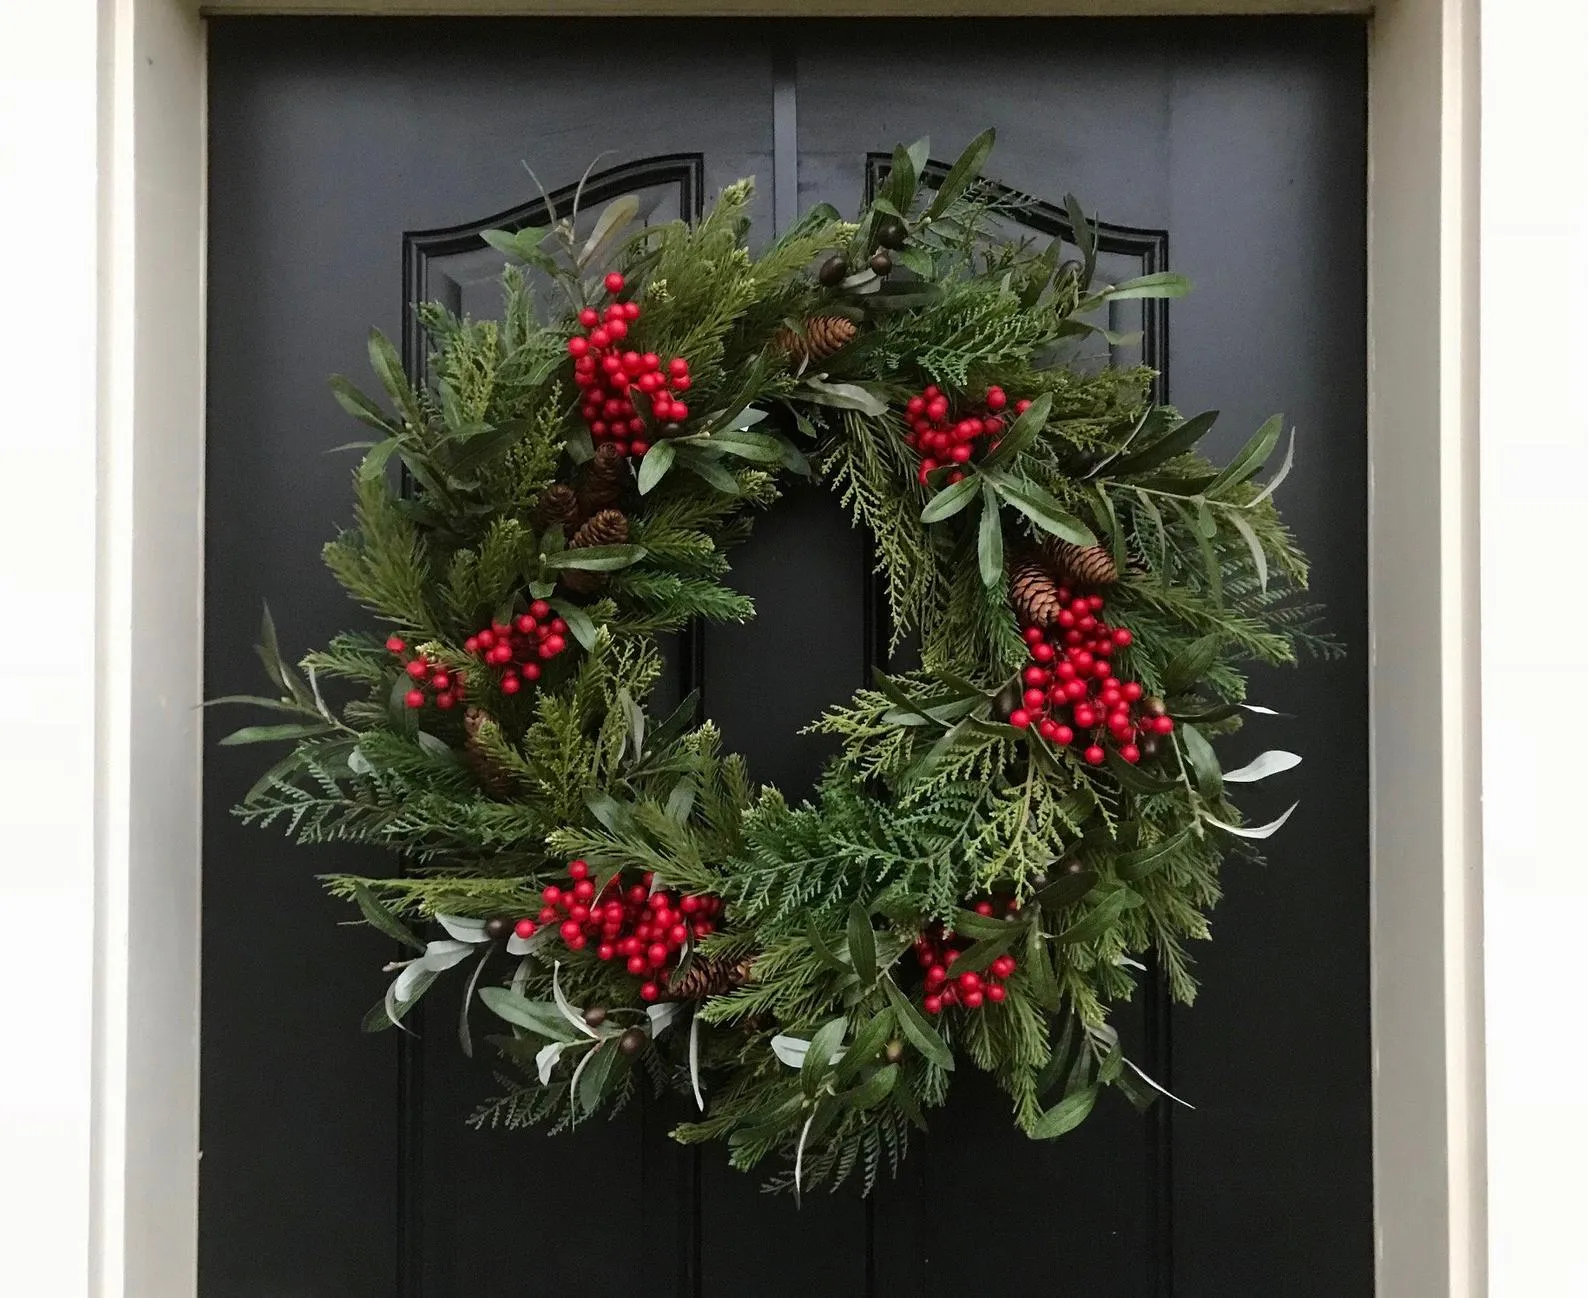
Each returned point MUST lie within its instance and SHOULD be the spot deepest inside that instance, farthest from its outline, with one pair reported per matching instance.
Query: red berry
(935, 973)
(1064, 736)
(600, 337)
(589, 317)
(616, 329)
(1043, 653)
(678, 934)
(996, 399)
(1094, 755)
(511, 684)
(1163, 725)
(414, 698)
(1085, 718)
(996, 992)
(552, 645)
(1003, 966)
(636, 964)
(1130, 690)
(1022, 406)
(678, 367)
(551, 894)
(971, 1000)
(1130, 753)
(614, 282)
(606, 951)
(689, 905)
(417, 668)
(933, 1004)
(656, 954)
(578, 346)
(1035, 698)
(579, 869)
(1048, 729)
(445, 699)
(649, 991)
(569, 930)
(395, 644)
(1020, 718)
(525, 928)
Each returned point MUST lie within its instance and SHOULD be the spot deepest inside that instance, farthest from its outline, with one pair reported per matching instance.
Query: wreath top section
(1005, 829)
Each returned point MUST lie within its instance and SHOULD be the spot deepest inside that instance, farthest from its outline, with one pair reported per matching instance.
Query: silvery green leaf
(1257, 831)
(799, 1155)
(411, 983)
(1125, 962)
(1258, 708)
(1262, 766)
(790, 1050)
(434, 745)
(662, 1015)
(465, 1037)
(1259, 557)
(573, 1083)
(546, 1059)
(465, 930)
(694, 1062)
(746, 417)
(618, 213)
(568, 1012)
(521, 974)
(359, 764)
(1284, 470)
(443, 954)
(521, 945)
(845, 396)
(1161, 1090)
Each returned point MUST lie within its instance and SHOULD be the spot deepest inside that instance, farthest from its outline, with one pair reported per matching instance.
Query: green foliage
(818, 1052)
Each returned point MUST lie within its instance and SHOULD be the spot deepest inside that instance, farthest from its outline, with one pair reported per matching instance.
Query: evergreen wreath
(1005, 832)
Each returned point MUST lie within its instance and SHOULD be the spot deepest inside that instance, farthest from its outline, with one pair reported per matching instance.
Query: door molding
(148, 232)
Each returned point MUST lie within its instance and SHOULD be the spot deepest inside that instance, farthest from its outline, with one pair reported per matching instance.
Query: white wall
(48, 335)
(1534, 483)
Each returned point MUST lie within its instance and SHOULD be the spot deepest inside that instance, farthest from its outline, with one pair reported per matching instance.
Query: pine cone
(487, 770)
(604, 479)
(823, 335)
(1085, 565)
(1034, 593)
(558, 506)
(708, 977)
(609, 527)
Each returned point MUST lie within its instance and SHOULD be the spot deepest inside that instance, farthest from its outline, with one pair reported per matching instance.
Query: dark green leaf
(382, 919)
(271, 734)
(818, 1059)
(540, 1017)
(617, 214)
(579, 624)
(978, 955)
(1066, 890)
(1255, 546)
(965, 170)
(388, 368)
(990, 538)
(1178, 440)
(1098, 920)
(710, 470)
(951, 499)
(616, 816)
(1037, 504)
(1134, 866)
(595, 1074)
(1037, 969)
(916, 1029)
(1066, 1115)
(658, 460)
(862, 945)
(1204, 762)
(1023, 431)
(760, 448)
(1084, 233)
(874, 1090)
(1134, 778)
(869, 1040)
(822, 951)
(1160, 284)
(1251, 458)
(1191, 664)
(597, 558)
(899, 189)
(358, 405)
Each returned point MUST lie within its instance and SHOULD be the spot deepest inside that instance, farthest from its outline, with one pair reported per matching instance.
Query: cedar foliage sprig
(822, 1056)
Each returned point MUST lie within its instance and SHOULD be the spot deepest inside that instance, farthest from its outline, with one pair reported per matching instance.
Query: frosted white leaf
(662, 1015)
(1253, 831)
(1160, 1089)
(359, 764)
(465, 930)
(1125, 962)
(799, 1154)
(790, 1050)
(1262, 766)
(1258, 708)
(442, 954)
(694, 1061)
(410, 984)
(568, 1012)
(546, 1059)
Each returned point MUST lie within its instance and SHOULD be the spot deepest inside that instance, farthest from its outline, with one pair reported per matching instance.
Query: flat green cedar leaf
(1134, 866)
(916, 1029)
(1037, 504)
(1203, 761)
(951, 499)
(382, 919)
(965, 170)
(1066, 1115)
(990, 538)
(862, 945)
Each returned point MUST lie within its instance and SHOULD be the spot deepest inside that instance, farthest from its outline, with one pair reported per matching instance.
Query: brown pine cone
(823, 335)
(487, 770)
(604, 479)
(608, 527)
(1034, 593)
(558, 506)
(1085, 565)
(708, 977)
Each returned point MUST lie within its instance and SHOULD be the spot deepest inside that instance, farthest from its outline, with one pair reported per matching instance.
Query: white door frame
(1426, 910)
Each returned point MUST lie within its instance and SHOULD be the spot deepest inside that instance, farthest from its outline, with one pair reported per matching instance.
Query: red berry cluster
(1070, 670)
(609, 375)
(647, 930)
(431, 681)
(937, 950)
(518, 647)
(941, 438)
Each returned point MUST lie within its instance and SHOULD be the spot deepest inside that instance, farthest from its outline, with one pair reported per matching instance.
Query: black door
(352, 163)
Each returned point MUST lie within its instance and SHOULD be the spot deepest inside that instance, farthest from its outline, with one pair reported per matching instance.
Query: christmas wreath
(1006, 831)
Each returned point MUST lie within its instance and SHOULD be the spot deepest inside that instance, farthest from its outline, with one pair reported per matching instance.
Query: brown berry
(632, 1042)
(595, 1016)
(497, 927)
(881, 262)
(890, 233)
(833, 271)
(1155, 707)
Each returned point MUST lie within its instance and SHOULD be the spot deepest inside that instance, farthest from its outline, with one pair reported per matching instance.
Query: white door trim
(1423, 438)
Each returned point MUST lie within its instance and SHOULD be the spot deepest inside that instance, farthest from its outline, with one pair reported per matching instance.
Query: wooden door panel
(353, 164)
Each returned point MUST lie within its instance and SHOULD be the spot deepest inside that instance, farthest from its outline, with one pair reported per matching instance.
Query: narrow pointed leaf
(382, 919)
(1262, 766)
(1179, 439)
(916, 1029)
(1065, 1116)
(965, 170)
(1253, 831)
(990, 538)
(951, 499)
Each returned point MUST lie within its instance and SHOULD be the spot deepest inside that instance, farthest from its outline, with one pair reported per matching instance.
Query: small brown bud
(595, 1016)
(498, 927)
(881, 262)
(632, 1042)
(833, 271)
